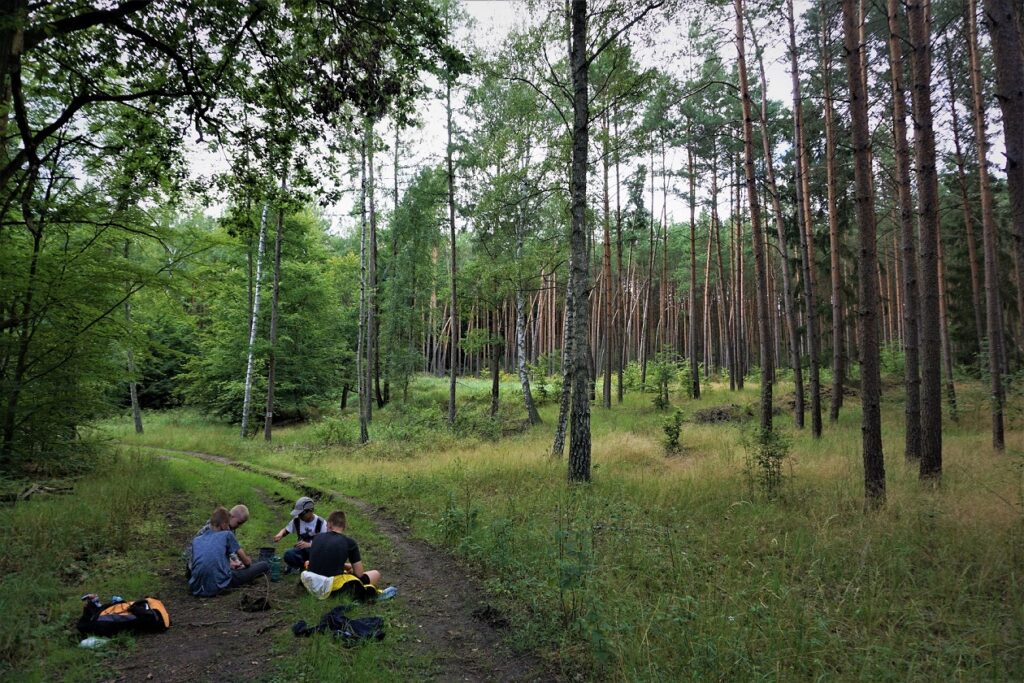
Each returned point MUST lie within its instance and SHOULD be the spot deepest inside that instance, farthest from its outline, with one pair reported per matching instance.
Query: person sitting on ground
(212, 572)
(306, 525)
(334, 561)
(237, 516)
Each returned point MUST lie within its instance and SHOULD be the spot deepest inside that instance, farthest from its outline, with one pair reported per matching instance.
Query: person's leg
(240, 577)
(295, 558)
(372, 576)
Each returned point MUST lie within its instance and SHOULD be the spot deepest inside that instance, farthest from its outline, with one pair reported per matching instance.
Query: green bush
(766, 449)
(672, 427)
(334, 431)
(893, 359)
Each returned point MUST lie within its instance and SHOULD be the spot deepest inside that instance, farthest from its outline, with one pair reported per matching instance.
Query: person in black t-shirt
(334, 553)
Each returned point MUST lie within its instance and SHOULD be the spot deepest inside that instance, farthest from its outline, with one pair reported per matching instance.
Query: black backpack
(349, 631)
(147, 615)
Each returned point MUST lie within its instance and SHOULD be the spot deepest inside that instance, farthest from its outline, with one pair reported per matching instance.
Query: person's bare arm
(244, 557)
(357, 569)
(281, 534)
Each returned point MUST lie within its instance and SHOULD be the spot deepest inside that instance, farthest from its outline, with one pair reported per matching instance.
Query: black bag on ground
(147, 615)
(351, 631)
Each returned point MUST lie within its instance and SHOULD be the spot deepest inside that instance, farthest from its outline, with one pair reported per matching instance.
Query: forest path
(449, 622)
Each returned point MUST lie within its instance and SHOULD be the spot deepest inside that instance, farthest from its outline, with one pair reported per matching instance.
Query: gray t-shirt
(211, 568)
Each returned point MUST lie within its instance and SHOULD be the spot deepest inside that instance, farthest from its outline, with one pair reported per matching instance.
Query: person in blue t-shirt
(212, 572)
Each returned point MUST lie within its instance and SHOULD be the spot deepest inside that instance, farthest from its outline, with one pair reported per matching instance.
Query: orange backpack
(147, 615)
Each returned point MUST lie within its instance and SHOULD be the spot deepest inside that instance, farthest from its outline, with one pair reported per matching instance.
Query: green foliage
(672, 427)
(893, 359)
(408, 273)
(333, 431)
(63, 285)
(661, 373)
(766, 450)
(312, 349)
(684, 375)
(631, 376)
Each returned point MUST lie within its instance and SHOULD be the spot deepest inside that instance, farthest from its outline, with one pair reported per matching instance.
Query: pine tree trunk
(620, 328)
(724, 329)
(364, 389)
(789, 306)
(947, 348)
(838, 354)
(372, 373)
(268, 416)
(912, 408)
(254, 318)
(968, 215)
(1007, 34)
(645, 316)
(993, 313)
(568, 343)
(663, 314)
(870, 372)
(760, 270)
(606, 396)
(919, 23)
(694, 366)
(806, 234)
(579, 439)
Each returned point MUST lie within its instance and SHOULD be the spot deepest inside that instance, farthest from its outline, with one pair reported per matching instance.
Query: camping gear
(147, 615)
(350, 631)
(94, 642)
(325, 586)
(266, 553)
(275, 568)
(254, 603)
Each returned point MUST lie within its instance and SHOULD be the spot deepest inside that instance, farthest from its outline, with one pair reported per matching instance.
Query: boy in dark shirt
(333, 553)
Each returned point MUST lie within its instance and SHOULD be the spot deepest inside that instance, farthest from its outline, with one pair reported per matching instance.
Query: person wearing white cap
(305, 524)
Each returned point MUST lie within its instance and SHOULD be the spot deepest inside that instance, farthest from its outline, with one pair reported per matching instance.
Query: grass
(675, 568)
(114, 531)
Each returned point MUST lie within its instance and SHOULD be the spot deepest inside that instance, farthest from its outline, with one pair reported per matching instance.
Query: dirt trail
(450, 620)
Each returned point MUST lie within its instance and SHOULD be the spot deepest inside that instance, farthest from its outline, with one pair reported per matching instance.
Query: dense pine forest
(648, 294)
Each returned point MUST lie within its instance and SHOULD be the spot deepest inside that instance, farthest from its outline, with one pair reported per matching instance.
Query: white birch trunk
(253, 320)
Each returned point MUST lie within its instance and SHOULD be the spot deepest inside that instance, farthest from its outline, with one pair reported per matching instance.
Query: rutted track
(441, 601)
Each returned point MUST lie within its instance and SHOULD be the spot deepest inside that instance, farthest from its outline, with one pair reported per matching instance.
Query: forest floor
(455, 634)
(669, 565)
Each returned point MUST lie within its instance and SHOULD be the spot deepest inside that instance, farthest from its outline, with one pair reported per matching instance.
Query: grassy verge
(673, 567)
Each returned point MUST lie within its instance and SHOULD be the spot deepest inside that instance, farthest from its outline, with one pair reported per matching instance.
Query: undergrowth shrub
(765, 449)
(660, 373)
(334, 431)
(893, 360)
(631, 376)
(672, 428)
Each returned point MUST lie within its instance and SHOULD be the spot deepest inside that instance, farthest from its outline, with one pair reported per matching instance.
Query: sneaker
(388, 593)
